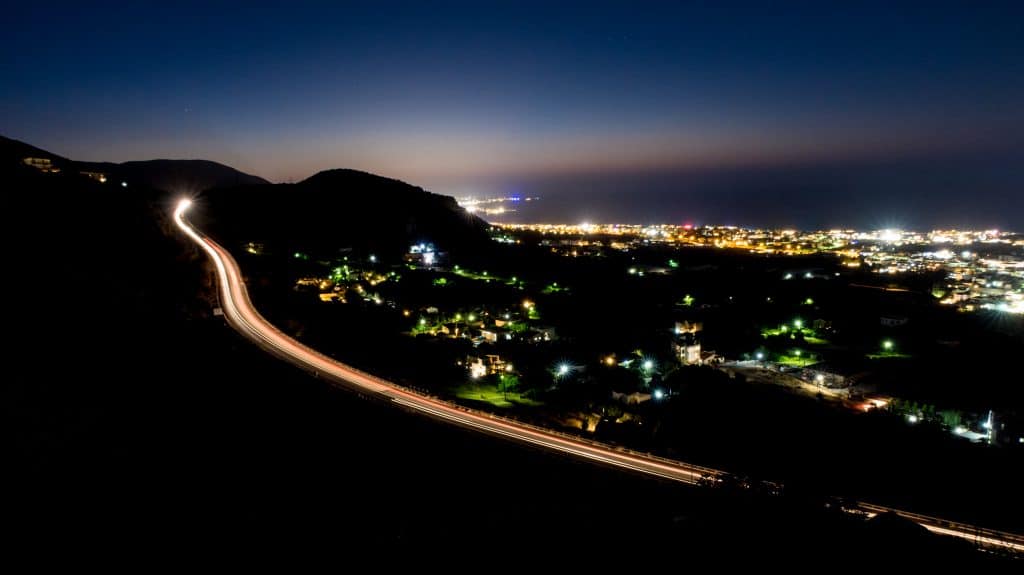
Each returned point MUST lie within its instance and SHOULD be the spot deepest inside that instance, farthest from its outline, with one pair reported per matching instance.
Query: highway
(243, 317)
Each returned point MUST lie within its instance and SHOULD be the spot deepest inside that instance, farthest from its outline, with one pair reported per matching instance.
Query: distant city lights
(976, 277)
(492, 206)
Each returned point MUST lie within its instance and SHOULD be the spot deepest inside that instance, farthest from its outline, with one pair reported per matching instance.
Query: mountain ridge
(333, 207)
(170, 175)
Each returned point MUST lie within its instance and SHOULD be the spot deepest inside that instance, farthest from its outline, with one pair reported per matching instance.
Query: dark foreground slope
(142, 425)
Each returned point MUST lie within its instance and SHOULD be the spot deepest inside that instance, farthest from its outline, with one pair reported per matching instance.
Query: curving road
(244, 318)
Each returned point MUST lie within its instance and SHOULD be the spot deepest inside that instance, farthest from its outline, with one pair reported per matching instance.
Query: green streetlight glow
(798, 323)
(887, 345)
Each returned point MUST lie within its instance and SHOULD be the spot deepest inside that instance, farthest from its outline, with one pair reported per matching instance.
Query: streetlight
(989, 425)
(887, 345)
(562, 370)
(648, 365)
(798, 323)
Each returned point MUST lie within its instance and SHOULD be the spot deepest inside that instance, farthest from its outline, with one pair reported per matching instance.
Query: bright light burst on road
(891, 236)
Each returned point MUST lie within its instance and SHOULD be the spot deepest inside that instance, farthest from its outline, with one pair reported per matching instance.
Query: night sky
(806, 115)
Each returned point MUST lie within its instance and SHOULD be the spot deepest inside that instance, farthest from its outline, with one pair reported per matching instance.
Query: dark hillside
(339, 208)
(177, 176)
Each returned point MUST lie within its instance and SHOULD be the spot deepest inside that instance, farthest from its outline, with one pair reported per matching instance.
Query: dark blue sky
(801, 114)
